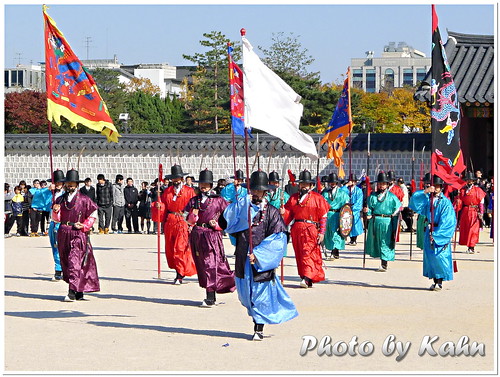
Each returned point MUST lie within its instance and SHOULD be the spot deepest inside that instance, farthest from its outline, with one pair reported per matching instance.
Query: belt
(472, 206)
(68, 223)
(307, 221)
(382, 215)
(334, 210)
(174, 213)
(204, 225)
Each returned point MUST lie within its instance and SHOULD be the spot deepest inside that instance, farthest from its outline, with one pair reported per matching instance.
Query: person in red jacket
(177, 248)
(470, 201)
(309, 210)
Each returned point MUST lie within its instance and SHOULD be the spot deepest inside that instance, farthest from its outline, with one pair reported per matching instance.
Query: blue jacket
(40, 200)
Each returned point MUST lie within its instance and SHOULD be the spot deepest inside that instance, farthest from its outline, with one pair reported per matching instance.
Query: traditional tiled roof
(471, 59)
(189, 143)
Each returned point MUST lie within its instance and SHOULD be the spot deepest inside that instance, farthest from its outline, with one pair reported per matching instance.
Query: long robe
(75, 250)
(266, 302)
(438, 263)
(380, 236)
(212, 266)
(177, 248)
(356, 199)
(398, 191)
(469, 216)
(230, 194)
(333, 239)
(305, 235)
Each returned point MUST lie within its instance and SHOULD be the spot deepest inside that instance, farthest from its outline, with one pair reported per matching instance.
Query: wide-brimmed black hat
(58, 176)
(391, 175)
(437, 180)
(427, 178)
(259, 181)
(305, 177)
(324, 179)
(333, 178)
(239, 175)
(352, 177)
(469, 176)
(72, 176)
(274, 177)
(206, 176)
(382, 177)
(177, 172)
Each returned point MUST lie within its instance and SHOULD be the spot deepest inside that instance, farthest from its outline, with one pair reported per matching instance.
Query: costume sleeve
(270, 252)
(189, 205)
(419, 202)
(288, 215)
(446, 223)
(236, 214)
(228, 192)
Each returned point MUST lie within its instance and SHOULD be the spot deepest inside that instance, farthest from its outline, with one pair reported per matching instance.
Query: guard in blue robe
(356, 201)
(259, 289)
(438, 264)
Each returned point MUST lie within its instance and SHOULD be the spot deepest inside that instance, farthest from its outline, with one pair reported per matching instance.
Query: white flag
(271, 105)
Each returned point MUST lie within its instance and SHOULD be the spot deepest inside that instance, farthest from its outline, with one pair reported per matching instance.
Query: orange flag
(71, 90)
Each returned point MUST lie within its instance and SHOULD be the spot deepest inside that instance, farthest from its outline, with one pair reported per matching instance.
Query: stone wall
(142, 165)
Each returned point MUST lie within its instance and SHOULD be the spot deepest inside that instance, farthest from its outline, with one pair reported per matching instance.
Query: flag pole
(49, 123)
(233, 143)
(412, 180)
(350, 118)
(249, 216)
(158, 236)
(367, 188)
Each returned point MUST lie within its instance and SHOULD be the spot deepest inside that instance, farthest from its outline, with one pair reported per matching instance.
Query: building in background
(398, 66)
(24, 77)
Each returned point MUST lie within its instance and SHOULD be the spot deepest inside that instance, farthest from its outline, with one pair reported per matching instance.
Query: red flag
(71, 91)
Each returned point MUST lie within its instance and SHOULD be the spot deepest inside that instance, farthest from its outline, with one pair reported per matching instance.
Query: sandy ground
(138, 323)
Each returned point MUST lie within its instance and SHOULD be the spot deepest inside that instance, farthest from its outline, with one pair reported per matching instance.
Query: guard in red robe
(398, 191)
(177, 248)
(309, 210)
(470, 201)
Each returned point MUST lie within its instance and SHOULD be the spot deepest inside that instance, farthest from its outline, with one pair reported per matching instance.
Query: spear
(256, 160)
(318, 181)
(367, 189)
(282, 200)
(158, 237)
(270, 155)
(413, 182)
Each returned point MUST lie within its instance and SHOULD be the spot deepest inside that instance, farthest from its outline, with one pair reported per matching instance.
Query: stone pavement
(138, 323)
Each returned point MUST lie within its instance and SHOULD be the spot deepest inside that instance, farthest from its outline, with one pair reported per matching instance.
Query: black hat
(382, 177)
(274, 177)
(239, 175)
(58, 176)
(469, 176)
(427, 178)
(333, 178)
(72, 176)
(176, 171)
(391, 175)
(259, 181)
(437, 180)
(206, 176)
(324, 178)
(305, 177)
(352, 177)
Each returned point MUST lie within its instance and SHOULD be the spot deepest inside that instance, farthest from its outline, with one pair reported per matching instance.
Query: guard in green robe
(382, 214)
(274, 197)
(336, 198)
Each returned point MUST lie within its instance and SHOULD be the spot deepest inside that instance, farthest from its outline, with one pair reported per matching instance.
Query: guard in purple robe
(205, 217)
(259, 289)
(76, 213)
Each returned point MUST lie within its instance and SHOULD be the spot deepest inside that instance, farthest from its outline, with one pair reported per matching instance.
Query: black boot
(71, 296)
(258, 329)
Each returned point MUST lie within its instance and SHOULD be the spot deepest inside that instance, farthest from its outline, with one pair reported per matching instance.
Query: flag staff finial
(243, 32)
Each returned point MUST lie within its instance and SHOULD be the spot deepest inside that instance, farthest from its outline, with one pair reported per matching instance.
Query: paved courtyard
(140, 323)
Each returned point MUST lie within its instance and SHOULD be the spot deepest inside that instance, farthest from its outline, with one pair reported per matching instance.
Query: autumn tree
(26, 112)
(208, 102)
(142, 84)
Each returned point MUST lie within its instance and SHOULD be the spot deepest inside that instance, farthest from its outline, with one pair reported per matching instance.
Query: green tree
(208, 95)
(286, 55)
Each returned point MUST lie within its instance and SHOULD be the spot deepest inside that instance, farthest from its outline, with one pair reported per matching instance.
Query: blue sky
(154, 33)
